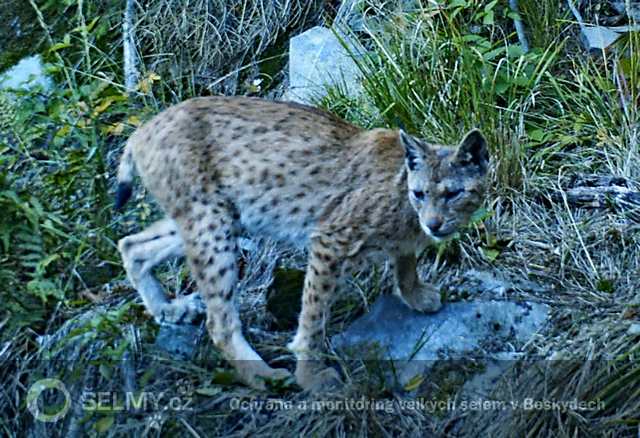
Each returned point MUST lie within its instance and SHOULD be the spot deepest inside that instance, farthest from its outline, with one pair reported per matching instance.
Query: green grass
(544, 20)
(437, 78)
(549, 115)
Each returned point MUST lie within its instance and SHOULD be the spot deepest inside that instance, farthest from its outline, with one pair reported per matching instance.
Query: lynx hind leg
(321, 279)
(211, 248)
(142, 252)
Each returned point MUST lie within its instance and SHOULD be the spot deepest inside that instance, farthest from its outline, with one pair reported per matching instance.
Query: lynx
(225, 167)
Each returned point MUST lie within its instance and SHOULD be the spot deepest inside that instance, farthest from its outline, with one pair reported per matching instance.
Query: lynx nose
(434, 224)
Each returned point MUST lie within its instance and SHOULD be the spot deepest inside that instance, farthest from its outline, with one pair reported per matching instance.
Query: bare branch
(522, 36)
(131, 73)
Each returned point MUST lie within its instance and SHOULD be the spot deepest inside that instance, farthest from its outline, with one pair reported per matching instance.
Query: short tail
(125, 178)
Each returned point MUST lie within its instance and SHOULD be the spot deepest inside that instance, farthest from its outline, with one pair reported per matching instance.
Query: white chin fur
(429, 234)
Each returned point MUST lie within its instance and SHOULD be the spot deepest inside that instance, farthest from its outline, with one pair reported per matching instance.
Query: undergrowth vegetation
(553, 115)
(193, 44)
(59, 146)
(444, 71)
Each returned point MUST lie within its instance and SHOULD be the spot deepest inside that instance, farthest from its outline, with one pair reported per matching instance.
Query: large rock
(415, 340)
(317, 59)
(26, 74)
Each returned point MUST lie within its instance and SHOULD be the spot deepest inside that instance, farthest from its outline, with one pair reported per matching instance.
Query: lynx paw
(424, 298)
(182, 310)
(261, 376)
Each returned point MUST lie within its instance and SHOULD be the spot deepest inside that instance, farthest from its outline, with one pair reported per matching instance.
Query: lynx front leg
(211, 248)
(320, 283)
(141, 253)
(420, 296)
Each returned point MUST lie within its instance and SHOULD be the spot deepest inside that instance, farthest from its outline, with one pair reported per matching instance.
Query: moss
(446, 378)
(20, 33)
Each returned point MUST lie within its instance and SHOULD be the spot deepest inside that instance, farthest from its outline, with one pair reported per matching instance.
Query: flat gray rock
(317, 59)
(486, 328)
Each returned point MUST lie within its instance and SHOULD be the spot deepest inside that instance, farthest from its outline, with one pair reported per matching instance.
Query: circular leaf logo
(34, 394)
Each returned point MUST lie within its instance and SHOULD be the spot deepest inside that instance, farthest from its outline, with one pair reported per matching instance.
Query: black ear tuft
(473, 150)
(413, 151)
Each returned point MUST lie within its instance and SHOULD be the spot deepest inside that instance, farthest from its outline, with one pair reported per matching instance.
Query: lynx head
(446, 184)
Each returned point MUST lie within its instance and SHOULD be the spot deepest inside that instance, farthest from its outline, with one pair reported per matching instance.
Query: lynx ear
(473, 151)
(414, 151)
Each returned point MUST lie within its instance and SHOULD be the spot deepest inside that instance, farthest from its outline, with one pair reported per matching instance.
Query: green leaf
(492, 54)
(414, 382)
(473, 38)
(480, 215)
(105, 371)
(626, 66)
(44, 288)
(537, 135)
(223, 377)
(66, 42)
(501, 86)
(490, 253)
(208, 391)
(513, 15)
(489, 18)
(42, 265)
(104, 424)
(605, 285)
(515, 51)
(86, 28)
(458, 4)
(489, 7)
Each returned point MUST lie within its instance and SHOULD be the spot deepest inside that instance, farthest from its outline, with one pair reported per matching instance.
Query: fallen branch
(602, 192)
(603, 197)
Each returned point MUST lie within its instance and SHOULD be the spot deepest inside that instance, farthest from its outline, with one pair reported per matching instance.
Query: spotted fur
(224, 167)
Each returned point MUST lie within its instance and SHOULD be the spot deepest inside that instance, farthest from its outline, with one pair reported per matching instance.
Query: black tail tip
(123, 194)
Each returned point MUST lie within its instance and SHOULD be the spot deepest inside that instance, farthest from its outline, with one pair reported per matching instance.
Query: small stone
(26, 74)
(634, 329)
(599, 37)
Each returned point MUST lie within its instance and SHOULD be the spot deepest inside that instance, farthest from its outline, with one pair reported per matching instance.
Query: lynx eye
(451, 195)
(419, 195)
